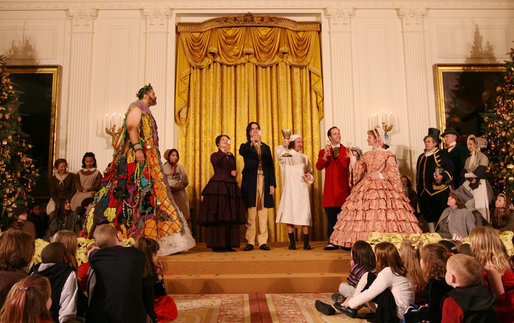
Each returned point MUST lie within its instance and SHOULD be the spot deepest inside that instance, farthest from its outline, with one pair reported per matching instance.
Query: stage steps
(276, 271)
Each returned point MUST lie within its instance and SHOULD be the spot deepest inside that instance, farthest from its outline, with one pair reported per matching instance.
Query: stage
(280, 270)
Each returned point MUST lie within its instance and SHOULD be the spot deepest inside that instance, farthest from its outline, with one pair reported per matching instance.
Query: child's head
(54, 252)
(387, 256)
(410, 258)
(463, 271)
(433, 261)
(150, 248)
(486, 246)
(28, 301)
(35, 208)
(16, 250)
(503, 201)
(69, 240)
(106, 235)
(20, 214)
(465, 249)
(449, 245)
(363, 255)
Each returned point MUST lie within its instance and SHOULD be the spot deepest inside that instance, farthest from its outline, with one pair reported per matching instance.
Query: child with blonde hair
(410, 258)
(489, 250)
(69, 240)
(28, 301)
(469, 301)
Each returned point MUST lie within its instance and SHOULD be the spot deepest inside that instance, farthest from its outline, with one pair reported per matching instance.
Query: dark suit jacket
(117, 294)
(458, 155)
(249, 183)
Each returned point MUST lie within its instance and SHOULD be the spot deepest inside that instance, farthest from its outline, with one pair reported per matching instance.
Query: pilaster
(80, 68)
(340, 32)
(156, 59)
(416, 76)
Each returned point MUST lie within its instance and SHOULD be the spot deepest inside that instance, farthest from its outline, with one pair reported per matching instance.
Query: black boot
(306, 245)
(292, 242)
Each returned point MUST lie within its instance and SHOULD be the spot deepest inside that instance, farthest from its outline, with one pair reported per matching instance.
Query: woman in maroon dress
(222, 210)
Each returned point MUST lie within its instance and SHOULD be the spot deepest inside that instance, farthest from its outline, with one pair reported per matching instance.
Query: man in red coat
(334, 159)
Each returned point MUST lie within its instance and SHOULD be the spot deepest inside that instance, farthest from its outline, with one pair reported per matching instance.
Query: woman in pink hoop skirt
(377, 202)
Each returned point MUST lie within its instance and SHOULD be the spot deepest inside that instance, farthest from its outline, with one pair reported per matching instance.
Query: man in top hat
(258, 186)
(334, 160)
(458, 154)
(434, 175)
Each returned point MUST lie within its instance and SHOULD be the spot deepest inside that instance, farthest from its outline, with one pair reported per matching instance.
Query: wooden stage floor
(280, 270)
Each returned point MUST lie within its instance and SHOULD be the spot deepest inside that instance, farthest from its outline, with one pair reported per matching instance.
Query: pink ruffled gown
(374, 205)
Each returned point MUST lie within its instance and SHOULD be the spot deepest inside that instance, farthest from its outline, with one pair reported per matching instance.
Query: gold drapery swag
(233, 70)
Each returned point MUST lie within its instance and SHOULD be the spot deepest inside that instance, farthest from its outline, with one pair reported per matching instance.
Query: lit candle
(106, 121)
(113, 119)
(121, 121)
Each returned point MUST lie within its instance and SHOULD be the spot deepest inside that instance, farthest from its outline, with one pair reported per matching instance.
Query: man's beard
(152, 101)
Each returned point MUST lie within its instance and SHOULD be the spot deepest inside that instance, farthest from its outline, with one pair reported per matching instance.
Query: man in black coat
(115, 280)
(258, 185)
(457, 153)
(434, 173)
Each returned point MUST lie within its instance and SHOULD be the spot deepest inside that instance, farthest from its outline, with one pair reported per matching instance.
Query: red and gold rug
(254, 308)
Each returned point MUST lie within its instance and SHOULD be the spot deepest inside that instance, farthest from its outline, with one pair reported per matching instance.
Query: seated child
(498, 275)
(39, 218)
(363, 261)
(63, 280)
(159, 306)
(115, 280)
(469, 301)
(22, 223)
(28, 301)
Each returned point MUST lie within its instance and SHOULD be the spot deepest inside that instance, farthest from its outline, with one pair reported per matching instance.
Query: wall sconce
(113, 124)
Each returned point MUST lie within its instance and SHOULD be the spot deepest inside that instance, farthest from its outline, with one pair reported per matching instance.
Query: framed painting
(463, 92)
(38, 88)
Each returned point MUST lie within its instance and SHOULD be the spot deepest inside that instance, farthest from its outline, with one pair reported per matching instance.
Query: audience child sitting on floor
(410, 258)
(159, 306)
(16, 252)
(498, 276)
(468, 301)
(63, 281)
(28, 301)
(433, 265)
(116, 284)
(363, 262)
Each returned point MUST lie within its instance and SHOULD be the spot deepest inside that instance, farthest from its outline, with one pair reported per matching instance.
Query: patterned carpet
(253, 308)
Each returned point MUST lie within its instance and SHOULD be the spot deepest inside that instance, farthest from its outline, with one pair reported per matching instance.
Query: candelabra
(113, 125)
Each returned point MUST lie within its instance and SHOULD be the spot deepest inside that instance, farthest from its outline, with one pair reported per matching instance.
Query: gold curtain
(229, 76)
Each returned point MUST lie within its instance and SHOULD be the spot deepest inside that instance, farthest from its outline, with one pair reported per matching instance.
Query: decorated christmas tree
(17, 170)
(499, 132)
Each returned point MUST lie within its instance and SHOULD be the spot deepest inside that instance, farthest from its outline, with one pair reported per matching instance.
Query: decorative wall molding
(412, 18)
(253, 4)
(339, 18)
(82, 19)
(157, 19)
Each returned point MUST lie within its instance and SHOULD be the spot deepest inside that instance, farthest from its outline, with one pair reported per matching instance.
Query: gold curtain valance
(248, 20)
(232, 46)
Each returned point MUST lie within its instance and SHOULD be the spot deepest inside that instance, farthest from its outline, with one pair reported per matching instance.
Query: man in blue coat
(258, 186)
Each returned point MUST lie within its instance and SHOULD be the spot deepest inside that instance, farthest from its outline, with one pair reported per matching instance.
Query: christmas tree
(17, 170)
(499, 132)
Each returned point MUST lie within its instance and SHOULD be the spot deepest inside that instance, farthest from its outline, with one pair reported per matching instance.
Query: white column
(343, 115)
(416, 78)
(80, 69)
(156, 59)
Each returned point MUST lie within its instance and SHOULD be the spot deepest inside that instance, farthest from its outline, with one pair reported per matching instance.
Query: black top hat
(450, 131)
(434, 133)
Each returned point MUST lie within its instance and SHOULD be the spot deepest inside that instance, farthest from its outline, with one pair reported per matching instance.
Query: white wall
(377, 55)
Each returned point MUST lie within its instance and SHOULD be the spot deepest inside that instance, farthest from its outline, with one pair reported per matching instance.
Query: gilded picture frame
(39, 90)
(464, 91)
